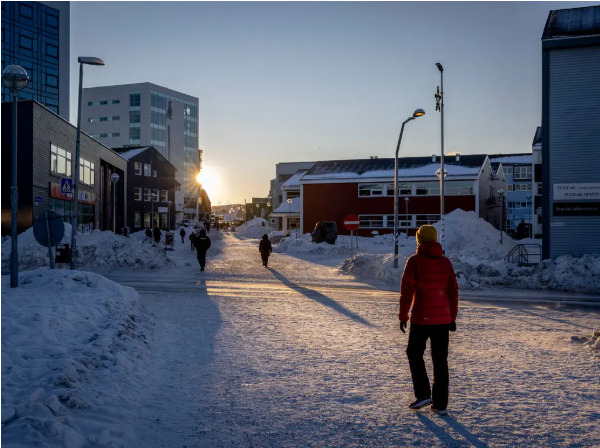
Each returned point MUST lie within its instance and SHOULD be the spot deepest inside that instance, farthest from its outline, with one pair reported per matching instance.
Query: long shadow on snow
(322, 299)
(446, 438)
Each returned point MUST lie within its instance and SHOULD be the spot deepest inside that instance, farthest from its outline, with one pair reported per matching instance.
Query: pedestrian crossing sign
(66, 185)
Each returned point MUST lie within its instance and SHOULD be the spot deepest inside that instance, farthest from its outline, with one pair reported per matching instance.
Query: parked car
(325, 231)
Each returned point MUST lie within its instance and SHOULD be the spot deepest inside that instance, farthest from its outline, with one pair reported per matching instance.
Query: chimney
(458, 156)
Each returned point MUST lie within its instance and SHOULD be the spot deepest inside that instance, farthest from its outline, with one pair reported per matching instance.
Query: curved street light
(416, 114)
(14, 78)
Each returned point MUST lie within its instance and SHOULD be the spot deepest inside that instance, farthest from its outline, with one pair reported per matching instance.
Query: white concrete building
(145, 114)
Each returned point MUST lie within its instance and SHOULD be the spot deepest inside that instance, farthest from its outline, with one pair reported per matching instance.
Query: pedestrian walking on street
(148, 232)
(192, 239)
(265, 249)
(202, 244)
(207, 226)
(157, 234)
(182, 233)
(430, 293)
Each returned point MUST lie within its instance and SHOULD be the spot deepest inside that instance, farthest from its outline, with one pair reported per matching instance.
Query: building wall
(490, 204)
(570, 117)
(39, 128)
(35, 35)
(333, 201)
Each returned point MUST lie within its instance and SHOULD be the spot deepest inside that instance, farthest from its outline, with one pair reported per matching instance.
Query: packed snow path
(297, 355)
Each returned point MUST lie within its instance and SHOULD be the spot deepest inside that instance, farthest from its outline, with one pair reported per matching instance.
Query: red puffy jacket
(429, 287)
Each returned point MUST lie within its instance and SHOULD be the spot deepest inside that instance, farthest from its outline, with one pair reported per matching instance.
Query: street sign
(38, 200)
(351, 222)
(48, 229)
(66, 185)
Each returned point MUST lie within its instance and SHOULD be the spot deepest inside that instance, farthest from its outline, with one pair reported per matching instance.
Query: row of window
(150, 220)
(522, 172)
(149, 194)
(518, 187)
(454, 188)
(106, 135)
(387, 221)
(103, 102)
(144, 169)
(97, 119)
(524, 204)
(60, 164)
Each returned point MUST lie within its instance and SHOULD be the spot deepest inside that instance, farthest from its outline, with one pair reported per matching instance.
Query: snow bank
(592, 343)
(95, 248)
(74, 348)
(254, 228)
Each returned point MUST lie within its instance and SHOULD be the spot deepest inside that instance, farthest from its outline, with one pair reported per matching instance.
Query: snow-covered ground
(300, 354)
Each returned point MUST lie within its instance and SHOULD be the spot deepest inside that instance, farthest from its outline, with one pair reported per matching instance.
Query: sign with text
(577, 192)
(576, 208)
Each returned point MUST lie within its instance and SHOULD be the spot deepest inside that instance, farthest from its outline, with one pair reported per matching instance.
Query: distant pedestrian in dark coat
(148, 232)
(202, 244)
(429, 291)
(182, 233)
(207, 226)
(265, 249)
(157, 234)
(192, 239)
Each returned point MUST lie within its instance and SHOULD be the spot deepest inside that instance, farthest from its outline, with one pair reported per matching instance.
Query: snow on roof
(286, 208)
(133, 152)
(428, 170)
(509, 159)
(294, 181)
(573, 22)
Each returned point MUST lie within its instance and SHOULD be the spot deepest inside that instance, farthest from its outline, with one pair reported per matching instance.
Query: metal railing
(525, 254)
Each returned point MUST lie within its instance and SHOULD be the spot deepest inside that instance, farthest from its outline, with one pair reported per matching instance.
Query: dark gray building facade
(571, 132)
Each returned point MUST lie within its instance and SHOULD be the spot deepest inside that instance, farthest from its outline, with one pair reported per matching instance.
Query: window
(134, 133)
(147, 169)
(134, 116)
(427, 219)
(458, 188)
(370, 190)
(427, 188)
(134, 99)
(147, 194)
(137, 194)
(370, 221)
(51, 50)
(137, 220)
(403, 189)
(156, 194)
(146, 220)
(138, 168)
(25, 42)
(25, 11)
(86, 171)
(52, 21)
(523, 172)
(508, 169)
(509, 187)
(60, 161)
(164, 195)
(403, 221)
(154, 173)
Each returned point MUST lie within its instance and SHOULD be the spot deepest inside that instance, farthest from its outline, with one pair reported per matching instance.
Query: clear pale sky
(301, 81)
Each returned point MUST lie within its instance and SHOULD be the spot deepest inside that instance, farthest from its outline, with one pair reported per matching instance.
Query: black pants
(201, 258)
(265, 259)
(417, 339)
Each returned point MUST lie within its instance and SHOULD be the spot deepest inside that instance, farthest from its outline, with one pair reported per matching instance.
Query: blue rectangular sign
(66, 185)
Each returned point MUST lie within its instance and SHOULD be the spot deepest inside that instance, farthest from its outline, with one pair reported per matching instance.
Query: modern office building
(46, 154)
(35, 35)
(571, 132)
(145, 114)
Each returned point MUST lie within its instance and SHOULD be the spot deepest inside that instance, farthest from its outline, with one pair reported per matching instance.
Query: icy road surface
(298, 355)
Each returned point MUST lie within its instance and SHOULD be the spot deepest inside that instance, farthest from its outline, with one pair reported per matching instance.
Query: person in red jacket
(429, 292)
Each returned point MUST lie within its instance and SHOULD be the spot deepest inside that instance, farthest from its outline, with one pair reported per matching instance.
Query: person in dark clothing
(182, 233)
(207, 226)
(148, 232)
(192, 239)
(202, 244)
(429, 291)
(265, 249)
(157, 234)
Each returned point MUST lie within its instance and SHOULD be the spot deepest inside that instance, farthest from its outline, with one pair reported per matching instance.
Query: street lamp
(257, 208)
(114, 178)
(416, 114)
(169, 202)
(502, 195)
(439, 106)
(88, 60)
(406, 204)
(154, 198)
(14, 78)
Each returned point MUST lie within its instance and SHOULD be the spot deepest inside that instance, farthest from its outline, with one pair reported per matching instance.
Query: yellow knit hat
(426, 234)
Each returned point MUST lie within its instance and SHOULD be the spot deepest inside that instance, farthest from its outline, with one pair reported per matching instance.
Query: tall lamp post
(169, 202)
(14, 78)
(439, 106)
(416, 114)
(88, 60)
(114, 178)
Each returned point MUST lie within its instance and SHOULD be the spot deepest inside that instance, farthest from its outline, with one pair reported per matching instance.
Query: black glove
(403, 326)
(452, 326)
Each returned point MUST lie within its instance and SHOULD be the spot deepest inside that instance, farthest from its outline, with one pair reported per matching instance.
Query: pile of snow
(344, 244)
(592, 343)
(96, 248)
(254, 228)
(74, 347)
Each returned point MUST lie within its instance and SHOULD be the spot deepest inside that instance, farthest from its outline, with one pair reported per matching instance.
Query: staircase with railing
(525, 255)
